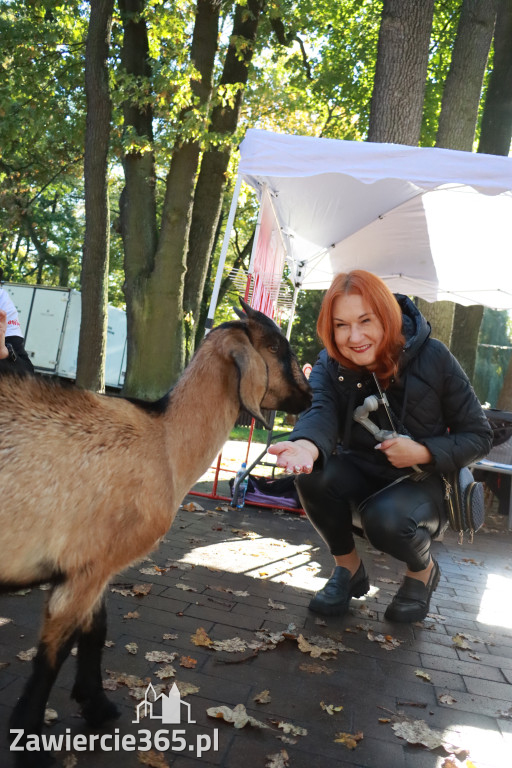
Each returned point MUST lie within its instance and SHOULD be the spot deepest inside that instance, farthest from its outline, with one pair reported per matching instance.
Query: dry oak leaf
(460, 641)
(315, 651)
(188, 662)
(132, 648)
(349, 740)
(446, 698)
(186, 688)
(330, 708)
(27, 655)
(165, 672)
(278, 760)
(201, 638)
(161, 656)
(423, 675)
(263, 697)
(295, 730)
(238, 716)
(141, 589)
(153, 759)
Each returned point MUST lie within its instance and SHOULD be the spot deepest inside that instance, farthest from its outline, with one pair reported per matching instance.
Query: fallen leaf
(201, 638)
(132, 648)
(316, 669)
(188, 662)
(263, 697)
(236, 592)
(141, 589)
(21, 592)
(27, 655)
(277, 760)
(185, 587)
(153, 759)
(125, 591)
(238, 716)
(121, 678)
(330, 708)
(315, 651)
(350, 740)
(460, 641)
(446, 698)
(161, 656)
(192, 507)
(50, 716)
(276, 606)
(140, 693)
(423, 675)
(384, 719)
(295, 730)
(186, 689)
(107, 644)
(169, 637)
(165, 672)
(4, 620)
(387, 642)
(132, 615)
(418, 732)
(475, 656)
(232, 645)
(70, 761)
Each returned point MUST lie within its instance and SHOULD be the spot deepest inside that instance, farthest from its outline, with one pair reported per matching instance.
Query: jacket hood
(415, 328)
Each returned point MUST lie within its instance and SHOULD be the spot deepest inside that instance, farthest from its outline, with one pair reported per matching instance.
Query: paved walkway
(351, 691)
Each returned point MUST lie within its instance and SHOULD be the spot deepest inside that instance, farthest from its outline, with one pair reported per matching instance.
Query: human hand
(402, 452)
(295, 456)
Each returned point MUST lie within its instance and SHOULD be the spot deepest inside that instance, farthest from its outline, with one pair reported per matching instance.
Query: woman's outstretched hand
(295, 456)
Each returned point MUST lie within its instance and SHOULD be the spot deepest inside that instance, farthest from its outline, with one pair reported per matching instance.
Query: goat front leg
(88, 687)
(28, 714)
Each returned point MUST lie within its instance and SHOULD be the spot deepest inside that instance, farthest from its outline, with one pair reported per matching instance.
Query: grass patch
(281, 430)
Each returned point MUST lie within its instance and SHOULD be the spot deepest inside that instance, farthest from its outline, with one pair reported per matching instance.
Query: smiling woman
(427, 421)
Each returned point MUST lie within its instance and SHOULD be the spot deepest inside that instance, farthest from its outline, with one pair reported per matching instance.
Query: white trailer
(50, 322)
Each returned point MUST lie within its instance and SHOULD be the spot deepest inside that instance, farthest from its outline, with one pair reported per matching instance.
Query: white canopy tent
(434, 223)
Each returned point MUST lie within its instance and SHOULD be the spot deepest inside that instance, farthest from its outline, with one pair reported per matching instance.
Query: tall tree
(400, 75)
(456, 130)
(496, 128)
(95, 259)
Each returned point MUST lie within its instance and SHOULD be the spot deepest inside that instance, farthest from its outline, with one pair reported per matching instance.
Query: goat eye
(274, 348)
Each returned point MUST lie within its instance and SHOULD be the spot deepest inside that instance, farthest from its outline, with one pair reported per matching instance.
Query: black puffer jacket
(432, 400)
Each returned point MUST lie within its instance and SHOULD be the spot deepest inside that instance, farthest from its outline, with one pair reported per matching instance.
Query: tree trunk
(211, 182)
(400, 76)
(496, 128)
(457, 124)
(171, 255)
(148, 342)
(440, 316)
(93, 326)
(463, 87)
(465, 332)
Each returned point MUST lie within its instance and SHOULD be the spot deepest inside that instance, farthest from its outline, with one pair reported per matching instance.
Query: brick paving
(235, 573)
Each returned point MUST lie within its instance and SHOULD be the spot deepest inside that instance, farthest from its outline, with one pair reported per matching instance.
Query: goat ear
(253, 379)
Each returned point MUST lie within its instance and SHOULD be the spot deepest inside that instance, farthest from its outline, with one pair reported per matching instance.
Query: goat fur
(91, 483)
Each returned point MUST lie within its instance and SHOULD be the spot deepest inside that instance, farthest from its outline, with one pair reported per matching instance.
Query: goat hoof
(98, 711)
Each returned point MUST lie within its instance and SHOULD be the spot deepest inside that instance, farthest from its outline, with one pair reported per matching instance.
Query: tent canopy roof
(436, 223)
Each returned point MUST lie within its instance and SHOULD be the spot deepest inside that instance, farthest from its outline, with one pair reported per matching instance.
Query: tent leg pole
(224, 250)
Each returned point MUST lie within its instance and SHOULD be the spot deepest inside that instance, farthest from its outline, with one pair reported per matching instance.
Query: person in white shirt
(13, 356)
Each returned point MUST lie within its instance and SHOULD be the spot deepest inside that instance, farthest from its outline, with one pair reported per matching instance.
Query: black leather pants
(399, 519)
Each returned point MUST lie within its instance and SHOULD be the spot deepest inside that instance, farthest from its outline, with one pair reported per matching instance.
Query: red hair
(377, 295)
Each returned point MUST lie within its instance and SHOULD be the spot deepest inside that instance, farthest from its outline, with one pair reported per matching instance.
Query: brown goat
(91, 483)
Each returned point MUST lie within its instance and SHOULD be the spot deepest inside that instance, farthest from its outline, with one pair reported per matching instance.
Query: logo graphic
(171, 705)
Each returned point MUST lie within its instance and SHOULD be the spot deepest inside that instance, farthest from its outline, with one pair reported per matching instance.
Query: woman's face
(358, 332)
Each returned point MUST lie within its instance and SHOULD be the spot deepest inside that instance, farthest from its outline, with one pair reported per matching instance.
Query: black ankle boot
(412, 601)
(334, 598)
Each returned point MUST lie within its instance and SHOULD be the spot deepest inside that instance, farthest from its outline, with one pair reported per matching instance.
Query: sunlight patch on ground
(496, 605)
(486, 747)
(261, 558)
